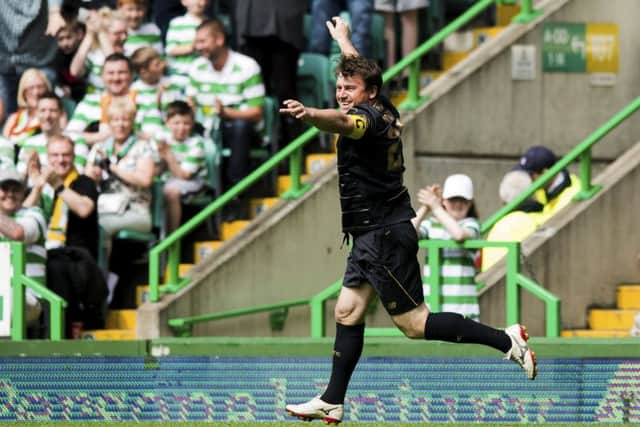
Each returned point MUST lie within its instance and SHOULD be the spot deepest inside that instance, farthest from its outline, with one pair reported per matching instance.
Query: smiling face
(34, 88)
(210, 44)
(351, 91)
(117, 77)
(11, 196)
(60, 155)
(133, 14)
(457, 207)
(121, 124)
(49, 112)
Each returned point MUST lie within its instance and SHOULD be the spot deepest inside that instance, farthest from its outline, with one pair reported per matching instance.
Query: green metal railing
(19, 283)
(582, 152)
(293, 151)
(514, 281)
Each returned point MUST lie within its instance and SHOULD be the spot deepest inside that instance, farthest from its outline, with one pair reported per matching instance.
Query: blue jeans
(360, 12)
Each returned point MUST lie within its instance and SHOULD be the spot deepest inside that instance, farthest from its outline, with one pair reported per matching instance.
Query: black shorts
(387, 259)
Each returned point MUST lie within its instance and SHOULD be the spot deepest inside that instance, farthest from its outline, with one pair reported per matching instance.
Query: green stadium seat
(313, 80)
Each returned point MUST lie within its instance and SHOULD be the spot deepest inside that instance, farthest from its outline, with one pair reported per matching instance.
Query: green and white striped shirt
(7, 153)
(38, 143)
(147, 101)
(88, 111)
(238, 85)
(459, 291)
(35, 230)
(190, 155)
(147, 35)
(93, 64)
(181, 32)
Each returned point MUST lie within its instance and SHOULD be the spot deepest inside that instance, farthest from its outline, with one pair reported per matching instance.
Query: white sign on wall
(523, 62)
(5, 289)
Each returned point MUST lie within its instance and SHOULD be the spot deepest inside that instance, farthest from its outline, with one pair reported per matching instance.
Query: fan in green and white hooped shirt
(27, 225)
(453, 216)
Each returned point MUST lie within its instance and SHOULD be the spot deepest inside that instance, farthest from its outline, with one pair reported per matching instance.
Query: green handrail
(514, 280)
(183, 326)
(20, 282)
(582, 151)
(294, 152)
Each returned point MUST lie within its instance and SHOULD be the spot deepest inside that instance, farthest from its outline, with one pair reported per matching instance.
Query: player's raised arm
(339, 31)
(328, 120)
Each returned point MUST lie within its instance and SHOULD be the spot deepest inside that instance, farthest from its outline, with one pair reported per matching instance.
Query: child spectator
(140, 33)
(24, 122)
(69, 38)
(184, 155)
(154, 91)
(453, 216)
(106, 34)
(180, 37)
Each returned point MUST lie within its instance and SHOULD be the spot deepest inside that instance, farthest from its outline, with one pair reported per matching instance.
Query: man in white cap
(25, 225)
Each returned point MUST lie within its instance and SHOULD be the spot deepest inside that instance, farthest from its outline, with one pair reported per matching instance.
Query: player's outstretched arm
(339, 31)
(328, 120)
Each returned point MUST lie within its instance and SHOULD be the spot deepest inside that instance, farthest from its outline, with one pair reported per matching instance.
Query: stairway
(612, 323)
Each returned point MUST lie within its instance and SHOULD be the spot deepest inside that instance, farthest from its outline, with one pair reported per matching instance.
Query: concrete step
(259, 205)
(284, 183)
(201, 250)
(450, 59)
(230, 229)
(593, 333)
(611, 319)
(506, 12)
(483, 34)
(316, 162)
(121, 319)
(182, 270)
(628, 296)
(109, 334)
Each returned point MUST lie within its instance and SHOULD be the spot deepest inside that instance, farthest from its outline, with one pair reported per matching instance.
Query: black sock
(347, 349)
(453, 327)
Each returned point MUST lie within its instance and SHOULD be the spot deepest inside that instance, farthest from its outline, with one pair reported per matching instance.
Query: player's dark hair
(179, 108)
(368, 69)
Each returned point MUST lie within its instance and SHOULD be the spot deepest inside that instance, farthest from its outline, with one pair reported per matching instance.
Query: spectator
(124, 168)
(106, 34)
(269, 31)
(408, 11)
(230, 82)
(72, 235)
(180, 48)
(24, 43)
(7, 154)
(69, 38)
(516, 225)
(453, 216)
(140, 33)
(154, 91)
(558, 191)
(49, 113)
(360, 12)
(184, 156)
(26, 225)
(24, 122)
(90, 116)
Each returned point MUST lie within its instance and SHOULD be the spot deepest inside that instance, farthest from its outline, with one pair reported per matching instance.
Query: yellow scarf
(57, 231)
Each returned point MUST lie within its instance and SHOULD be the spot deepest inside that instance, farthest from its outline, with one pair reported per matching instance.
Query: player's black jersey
(370, 167)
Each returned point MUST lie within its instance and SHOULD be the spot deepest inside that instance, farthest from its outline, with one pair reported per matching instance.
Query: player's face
(116, 77)
(457, 207)
(350, 91)
(133, 14)
(60, 157)
(48, 113)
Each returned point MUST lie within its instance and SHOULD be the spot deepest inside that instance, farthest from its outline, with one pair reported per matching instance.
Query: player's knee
(410, 331)
(346, 314)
